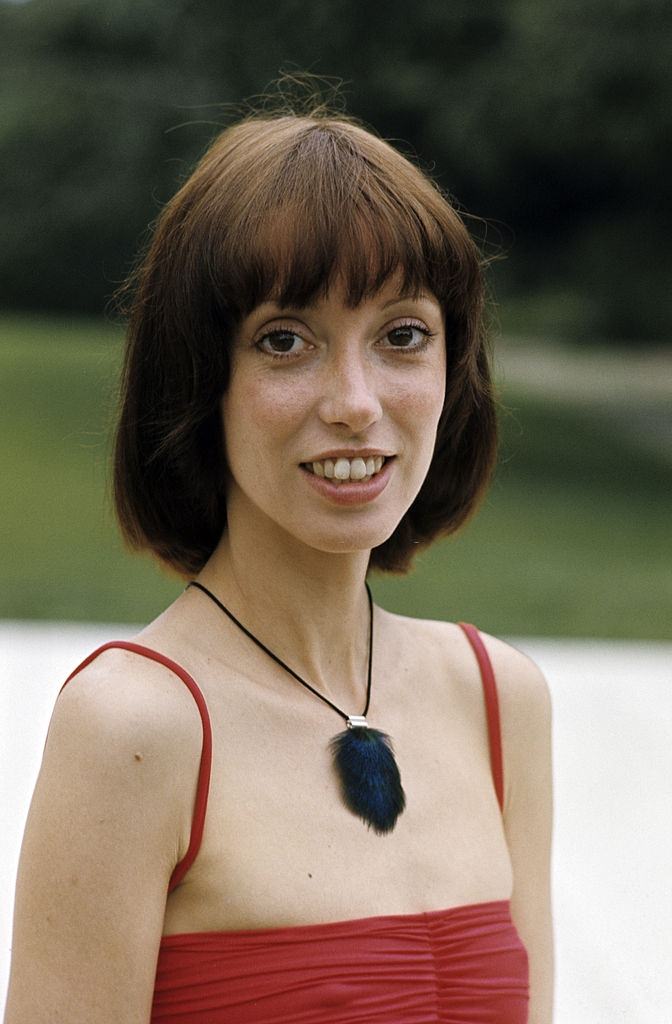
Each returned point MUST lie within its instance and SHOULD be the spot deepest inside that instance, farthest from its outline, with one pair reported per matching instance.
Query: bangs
(332, 207)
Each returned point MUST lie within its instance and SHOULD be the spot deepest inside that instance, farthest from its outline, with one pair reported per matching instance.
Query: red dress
(463, 965)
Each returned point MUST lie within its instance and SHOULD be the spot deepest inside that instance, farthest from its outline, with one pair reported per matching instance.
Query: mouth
(344, 470)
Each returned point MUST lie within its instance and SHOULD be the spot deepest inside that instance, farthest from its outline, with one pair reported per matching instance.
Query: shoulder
(520, 682)
(523, 693)
(524, 699)
(523, 696)
(109, 819)
(440, 640)
(526, 726)
(132, 722)
(123, 694)
(124, 749)
(521, 685)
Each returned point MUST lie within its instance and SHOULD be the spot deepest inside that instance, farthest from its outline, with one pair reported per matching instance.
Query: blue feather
(369, 777)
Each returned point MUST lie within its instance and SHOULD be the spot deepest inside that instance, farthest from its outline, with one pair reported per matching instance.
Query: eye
(409, 337)
(281, 343)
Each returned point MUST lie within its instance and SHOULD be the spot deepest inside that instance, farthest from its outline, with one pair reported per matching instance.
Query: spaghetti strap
(491, 708)
(203, 785)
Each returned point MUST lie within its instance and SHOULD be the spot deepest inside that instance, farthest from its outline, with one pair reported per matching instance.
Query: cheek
(256, 414)
(436, 392)
(422, 401)
(421, 407)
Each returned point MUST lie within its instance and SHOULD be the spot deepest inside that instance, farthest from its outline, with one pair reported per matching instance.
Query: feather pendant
(369, 776)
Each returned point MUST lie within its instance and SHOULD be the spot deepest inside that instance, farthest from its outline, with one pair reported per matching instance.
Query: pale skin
(111, 814)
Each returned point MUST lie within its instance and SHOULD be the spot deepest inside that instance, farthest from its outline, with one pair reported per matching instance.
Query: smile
(333, 485)
(341, 470)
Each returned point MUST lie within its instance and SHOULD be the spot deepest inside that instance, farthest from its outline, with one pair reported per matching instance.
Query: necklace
(369, 778)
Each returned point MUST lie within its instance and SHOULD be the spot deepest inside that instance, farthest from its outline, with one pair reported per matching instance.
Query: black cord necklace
(363, 757)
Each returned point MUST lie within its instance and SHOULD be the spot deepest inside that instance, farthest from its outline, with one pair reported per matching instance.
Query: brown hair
(278, 207)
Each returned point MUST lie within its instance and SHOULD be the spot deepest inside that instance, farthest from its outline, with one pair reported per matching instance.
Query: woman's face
(330, 416)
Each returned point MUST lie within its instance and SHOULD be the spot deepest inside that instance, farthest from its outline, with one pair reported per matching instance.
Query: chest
(279, 845)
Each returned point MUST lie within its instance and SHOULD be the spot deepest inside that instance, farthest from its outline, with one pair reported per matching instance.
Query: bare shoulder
(525, 713)
(521, 684)
(524, 702)
(126, 698)
(109, 819)
(442, 640)
(526, 727)
(524, 696)
(517, 675)
(135, 728)
(125, 734)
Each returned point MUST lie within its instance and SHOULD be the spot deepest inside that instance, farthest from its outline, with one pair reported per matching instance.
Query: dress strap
(491, 707)
(203, 785)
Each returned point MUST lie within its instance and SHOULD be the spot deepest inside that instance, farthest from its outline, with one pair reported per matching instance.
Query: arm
(525, 710)
(109, 818)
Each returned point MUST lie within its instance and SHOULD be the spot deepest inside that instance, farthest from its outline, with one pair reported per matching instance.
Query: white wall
(613, 806)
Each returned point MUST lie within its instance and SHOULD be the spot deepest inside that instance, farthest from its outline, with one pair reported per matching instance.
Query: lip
(350, 492)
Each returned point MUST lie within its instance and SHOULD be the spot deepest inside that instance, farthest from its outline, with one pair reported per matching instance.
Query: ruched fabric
(465, 965)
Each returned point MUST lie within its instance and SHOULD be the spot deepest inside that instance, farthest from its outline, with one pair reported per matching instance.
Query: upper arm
(106, 825)
(525, 712)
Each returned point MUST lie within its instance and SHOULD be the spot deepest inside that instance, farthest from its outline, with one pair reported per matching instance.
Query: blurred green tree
(553, 120)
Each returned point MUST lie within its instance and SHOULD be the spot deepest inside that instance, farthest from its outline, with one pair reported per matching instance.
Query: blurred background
(549, 123)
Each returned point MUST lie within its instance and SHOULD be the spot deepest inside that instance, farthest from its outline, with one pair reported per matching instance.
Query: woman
(305, 397)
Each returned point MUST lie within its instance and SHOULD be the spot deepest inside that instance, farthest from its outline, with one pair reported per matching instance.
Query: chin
(350, 541)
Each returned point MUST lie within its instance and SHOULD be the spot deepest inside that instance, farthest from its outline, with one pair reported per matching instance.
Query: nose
(350, 396)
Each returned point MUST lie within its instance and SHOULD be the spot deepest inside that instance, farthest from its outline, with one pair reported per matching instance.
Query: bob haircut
(280, 207)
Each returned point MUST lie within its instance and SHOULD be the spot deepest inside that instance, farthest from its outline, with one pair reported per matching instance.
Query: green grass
(573, 538)
(60, 552)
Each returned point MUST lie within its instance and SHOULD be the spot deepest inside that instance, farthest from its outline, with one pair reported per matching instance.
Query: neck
(309, 607)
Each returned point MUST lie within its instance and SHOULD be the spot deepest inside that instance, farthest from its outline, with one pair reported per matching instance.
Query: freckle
(138, 757)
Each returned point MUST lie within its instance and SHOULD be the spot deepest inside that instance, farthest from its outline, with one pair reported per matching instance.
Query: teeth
(357, 469)
(348, 469)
